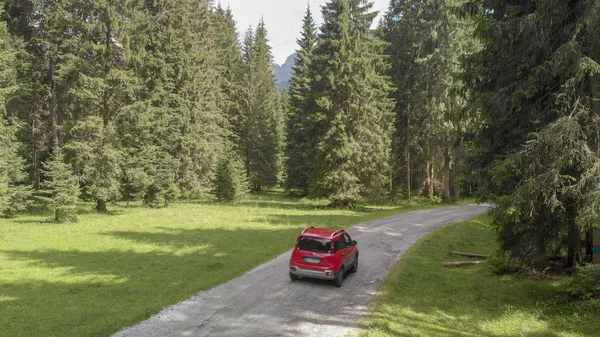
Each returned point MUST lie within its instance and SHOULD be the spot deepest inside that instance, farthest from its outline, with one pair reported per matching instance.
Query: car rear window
(314, 244)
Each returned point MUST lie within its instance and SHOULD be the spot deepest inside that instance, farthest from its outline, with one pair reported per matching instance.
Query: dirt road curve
(264, 302)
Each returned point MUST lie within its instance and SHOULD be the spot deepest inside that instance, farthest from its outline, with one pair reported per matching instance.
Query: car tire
(339, 280)
(294, 277)
(355, 265)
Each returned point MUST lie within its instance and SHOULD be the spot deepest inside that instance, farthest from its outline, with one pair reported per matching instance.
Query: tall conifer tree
(427, 42)
(539, 147)
(179, 117)
(300, 104)
(99, 93)
(60, 189)
(14, 192)
(353, 118)
(230, 68)
(260, 126)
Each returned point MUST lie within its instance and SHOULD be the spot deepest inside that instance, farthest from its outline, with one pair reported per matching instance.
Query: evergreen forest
(161, 100)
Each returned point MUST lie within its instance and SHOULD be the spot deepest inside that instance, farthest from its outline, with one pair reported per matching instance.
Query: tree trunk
(101, 206)
(432, 178)
(408, 187)
(454, 186)
(595, 105)
(447, 175)
(408, 173)
(589, 244)
(429, 180)
(574, 249)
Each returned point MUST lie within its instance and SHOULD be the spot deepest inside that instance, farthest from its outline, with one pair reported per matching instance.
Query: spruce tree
(427, 42)
(353, 118)
(99, 94)
(178, 112)
(230, 68)
(47, 70)
(14, 192)
(539, 147)
(300, 105)
(77, 55)
(60, 188)
(231, 183)
(260, 125)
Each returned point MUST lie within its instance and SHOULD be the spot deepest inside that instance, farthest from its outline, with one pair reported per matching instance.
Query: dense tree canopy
(427, 44)
(14, 192)
(537, 83)
(351, 122)
(156, 100)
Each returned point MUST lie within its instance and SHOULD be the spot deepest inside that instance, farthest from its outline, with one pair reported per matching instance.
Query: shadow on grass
(421, 298)
(513, 319)
(80, 293)
(46, 217)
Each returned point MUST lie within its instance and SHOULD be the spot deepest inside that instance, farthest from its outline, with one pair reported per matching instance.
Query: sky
(283, 19)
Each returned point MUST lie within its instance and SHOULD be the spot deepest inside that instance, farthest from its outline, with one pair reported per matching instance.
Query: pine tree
(539, 147)
(76, 53)
(60, 189)
(231, 183)
(230, 66)
(46, 70)
(352, 122)
(163, 188)
(177, 110)
(300, 104)
(14, 192)
(427, 42)
(260, 132)
(93, 103)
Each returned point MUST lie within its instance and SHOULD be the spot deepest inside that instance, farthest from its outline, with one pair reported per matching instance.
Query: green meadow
(422, 298)
(107, 272)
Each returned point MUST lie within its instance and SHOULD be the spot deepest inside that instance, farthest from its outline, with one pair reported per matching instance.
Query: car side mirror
(354, 243)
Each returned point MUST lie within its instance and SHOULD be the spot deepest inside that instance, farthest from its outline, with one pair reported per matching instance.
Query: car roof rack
(307, 229)
(337, 232)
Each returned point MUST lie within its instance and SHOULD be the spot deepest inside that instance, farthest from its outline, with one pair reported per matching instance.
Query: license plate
(312, 260)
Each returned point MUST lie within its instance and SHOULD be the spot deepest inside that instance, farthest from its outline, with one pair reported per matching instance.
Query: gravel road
(264, 302)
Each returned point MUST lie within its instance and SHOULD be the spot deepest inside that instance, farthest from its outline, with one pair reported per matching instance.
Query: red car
(324, 254)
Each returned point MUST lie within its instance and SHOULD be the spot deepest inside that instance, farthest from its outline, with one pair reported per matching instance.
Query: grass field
(422, 298)
(106, 272)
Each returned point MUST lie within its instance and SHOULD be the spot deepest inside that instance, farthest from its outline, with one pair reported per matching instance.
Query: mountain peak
(284, 72)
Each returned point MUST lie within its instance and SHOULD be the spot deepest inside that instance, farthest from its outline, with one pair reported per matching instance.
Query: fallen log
(460, 263)
(482, 256)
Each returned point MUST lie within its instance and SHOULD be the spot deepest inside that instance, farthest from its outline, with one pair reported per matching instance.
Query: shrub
(231, 181)
(585, 284)
(60, 190)
(502, 262)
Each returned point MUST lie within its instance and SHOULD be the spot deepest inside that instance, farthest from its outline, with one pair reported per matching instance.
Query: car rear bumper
(320, 274)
